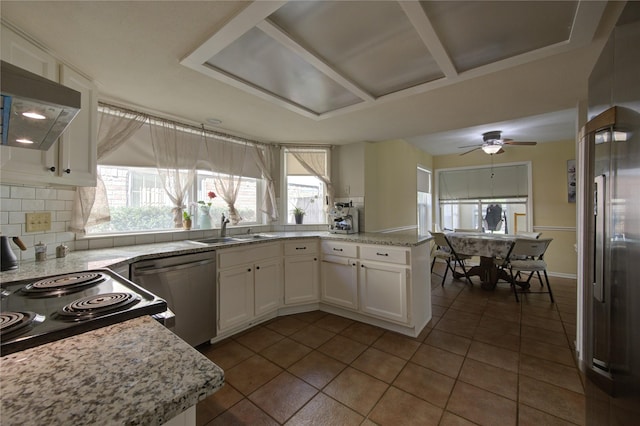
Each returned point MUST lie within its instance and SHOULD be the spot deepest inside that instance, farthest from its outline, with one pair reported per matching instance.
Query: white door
(339, 281)
(267, 288)
(235, 296)
(383, 291)
(300, 279)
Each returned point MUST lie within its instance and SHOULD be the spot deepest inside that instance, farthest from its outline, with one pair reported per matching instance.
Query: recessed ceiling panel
(371, 43)
(258, 60)
(479, 33)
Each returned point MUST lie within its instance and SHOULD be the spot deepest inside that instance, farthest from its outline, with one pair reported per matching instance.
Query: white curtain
(315, 163)
(176, 153)
(227, 162)
(264, 159)
(115, 127)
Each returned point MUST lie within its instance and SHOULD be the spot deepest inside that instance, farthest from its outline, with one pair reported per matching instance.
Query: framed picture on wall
(571, 181)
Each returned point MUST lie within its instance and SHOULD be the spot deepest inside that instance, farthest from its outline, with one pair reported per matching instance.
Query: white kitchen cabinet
(339, 274)
(383, 290)
(249, 283)
(235, 297)
(72, 159)
(301, 272)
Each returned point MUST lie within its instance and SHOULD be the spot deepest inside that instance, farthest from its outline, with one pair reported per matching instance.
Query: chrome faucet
(223, 226)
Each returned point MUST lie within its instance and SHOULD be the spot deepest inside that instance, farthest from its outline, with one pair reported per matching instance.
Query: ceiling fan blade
(471, 146)
(510, 142)
(500, 152)
(474, 149)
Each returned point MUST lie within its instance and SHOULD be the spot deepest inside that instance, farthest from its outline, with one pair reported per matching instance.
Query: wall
(391, 184)
(553, 215)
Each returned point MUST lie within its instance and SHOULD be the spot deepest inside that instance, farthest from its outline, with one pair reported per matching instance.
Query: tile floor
(483, 359)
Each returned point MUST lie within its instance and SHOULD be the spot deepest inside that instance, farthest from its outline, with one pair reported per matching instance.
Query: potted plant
(186, 220)
(298, 214)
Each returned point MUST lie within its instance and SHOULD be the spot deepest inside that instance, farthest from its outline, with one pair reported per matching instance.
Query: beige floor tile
(438, 360)
(426, 384)
(259, 338)
(242, 414)
(379, 364)
(283, 396)
(552, 399)
(286, 325)
(481, 406)
(356, 390)
(252, 373)
(322, 410)
(309, 317)
(312, 336)
(285, 352)
(333, 323)
(317, 369)
(400, 408)
(395, 344)
(488, 377)
(494, 355)
(342, 349)
(449, 342)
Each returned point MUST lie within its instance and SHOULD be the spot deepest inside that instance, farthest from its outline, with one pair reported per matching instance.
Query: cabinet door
(383, 290)
(267, 288)
(300, 279)
(22, 164)
(78, 144)
(339, 282)
(235, 297)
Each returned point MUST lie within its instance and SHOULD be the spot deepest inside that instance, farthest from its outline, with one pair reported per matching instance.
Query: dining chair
(444, 250)
(527, 255)
(534, 235)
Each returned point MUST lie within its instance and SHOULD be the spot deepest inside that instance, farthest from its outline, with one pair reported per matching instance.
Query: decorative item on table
(62, 250)
(204, 211)
(41, 251)
(186, 220)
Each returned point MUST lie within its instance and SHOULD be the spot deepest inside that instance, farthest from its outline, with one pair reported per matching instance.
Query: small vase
(204, 219)
(186, 224)
(298, 218)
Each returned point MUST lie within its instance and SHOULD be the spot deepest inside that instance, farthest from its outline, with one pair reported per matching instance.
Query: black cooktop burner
(96, 305)
(15, 323)
(63, 284)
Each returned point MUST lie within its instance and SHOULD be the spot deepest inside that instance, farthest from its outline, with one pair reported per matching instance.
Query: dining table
(488, 247)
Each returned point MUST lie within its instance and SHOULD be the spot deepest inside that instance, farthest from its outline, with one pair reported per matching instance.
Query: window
(305, 190)
(488, 199)
(424, 201)
(246, 203)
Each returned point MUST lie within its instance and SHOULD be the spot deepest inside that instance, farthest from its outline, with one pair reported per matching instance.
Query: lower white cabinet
(339, 281)
(383, 290)
(250, 289)
(300, 279)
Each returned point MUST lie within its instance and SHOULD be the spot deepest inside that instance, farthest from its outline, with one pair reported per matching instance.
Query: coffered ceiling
(432, 73)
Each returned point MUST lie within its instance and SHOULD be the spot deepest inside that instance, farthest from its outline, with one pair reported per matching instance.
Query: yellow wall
(391, 184)
(553, 215)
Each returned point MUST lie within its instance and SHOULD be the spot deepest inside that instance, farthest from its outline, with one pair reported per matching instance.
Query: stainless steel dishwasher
(187, 283)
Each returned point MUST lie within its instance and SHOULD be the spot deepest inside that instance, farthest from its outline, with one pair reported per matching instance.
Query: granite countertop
(133, 373)
(120, 256)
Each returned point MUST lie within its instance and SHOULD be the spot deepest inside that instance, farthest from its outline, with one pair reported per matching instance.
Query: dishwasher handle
(153, 270)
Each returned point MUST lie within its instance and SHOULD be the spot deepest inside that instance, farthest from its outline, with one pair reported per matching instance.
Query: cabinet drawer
(239, 256)
(299, 247)
(385, 254)
(339, 249)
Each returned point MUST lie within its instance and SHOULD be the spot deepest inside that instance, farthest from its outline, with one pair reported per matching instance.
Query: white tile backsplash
(23, 192)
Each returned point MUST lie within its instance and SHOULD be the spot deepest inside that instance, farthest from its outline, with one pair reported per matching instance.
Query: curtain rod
(219, 135)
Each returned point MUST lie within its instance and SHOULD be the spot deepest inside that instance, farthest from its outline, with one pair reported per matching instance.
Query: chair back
(530, 248)
(440, 239)
(534, 235)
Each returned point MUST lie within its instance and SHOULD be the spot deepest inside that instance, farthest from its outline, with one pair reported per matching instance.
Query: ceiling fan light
(491, 149)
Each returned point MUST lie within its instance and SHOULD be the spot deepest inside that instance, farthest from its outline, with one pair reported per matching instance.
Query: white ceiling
(477, 66)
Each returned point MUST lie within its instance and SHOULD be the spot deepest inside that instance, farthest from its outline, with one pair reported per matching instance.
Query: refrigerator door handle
(599, 212)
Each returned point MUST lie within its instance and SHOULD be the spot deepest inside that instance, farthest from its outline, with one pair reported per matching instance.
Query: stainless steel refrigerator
(611, 288)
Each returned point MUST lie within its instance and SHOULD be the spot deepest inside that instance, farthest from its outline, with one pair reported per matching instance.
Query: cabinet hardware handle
(249, 270)
(67, 171)
(382, 254)
(337, 249)
(315, 258)
(257, 267)
(362, 266)
(52, 168)
(301, 248)
(353, 264)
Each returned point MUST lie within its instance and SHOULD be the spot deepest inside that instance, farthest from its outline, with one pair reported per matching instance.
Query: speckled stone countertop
(121, 256)
(133, 373)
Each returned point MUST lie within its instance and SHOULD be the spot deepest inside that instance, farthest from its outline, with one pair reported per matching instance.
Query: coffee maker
(343, 219)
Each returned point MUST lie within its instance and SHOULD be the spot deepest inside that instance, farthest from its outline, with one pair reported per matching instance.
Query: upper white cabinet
(72, 159)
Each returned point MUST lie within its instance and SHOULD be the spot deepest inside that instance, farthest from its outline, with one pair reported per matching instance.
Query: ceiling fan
(493, 142)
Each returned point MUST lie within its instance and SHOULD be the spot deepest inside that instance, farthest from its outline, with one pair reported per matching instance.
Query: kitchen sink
(216, 240)
(252, 237)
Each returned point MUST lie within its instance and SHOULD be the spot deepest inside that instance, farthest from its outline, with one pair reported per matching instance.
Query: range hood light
(24, 141)
(34, 115)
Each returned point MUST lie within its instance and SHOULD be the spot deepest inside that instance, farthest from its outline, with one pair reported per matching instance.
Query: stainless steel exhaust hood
(35, 110)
